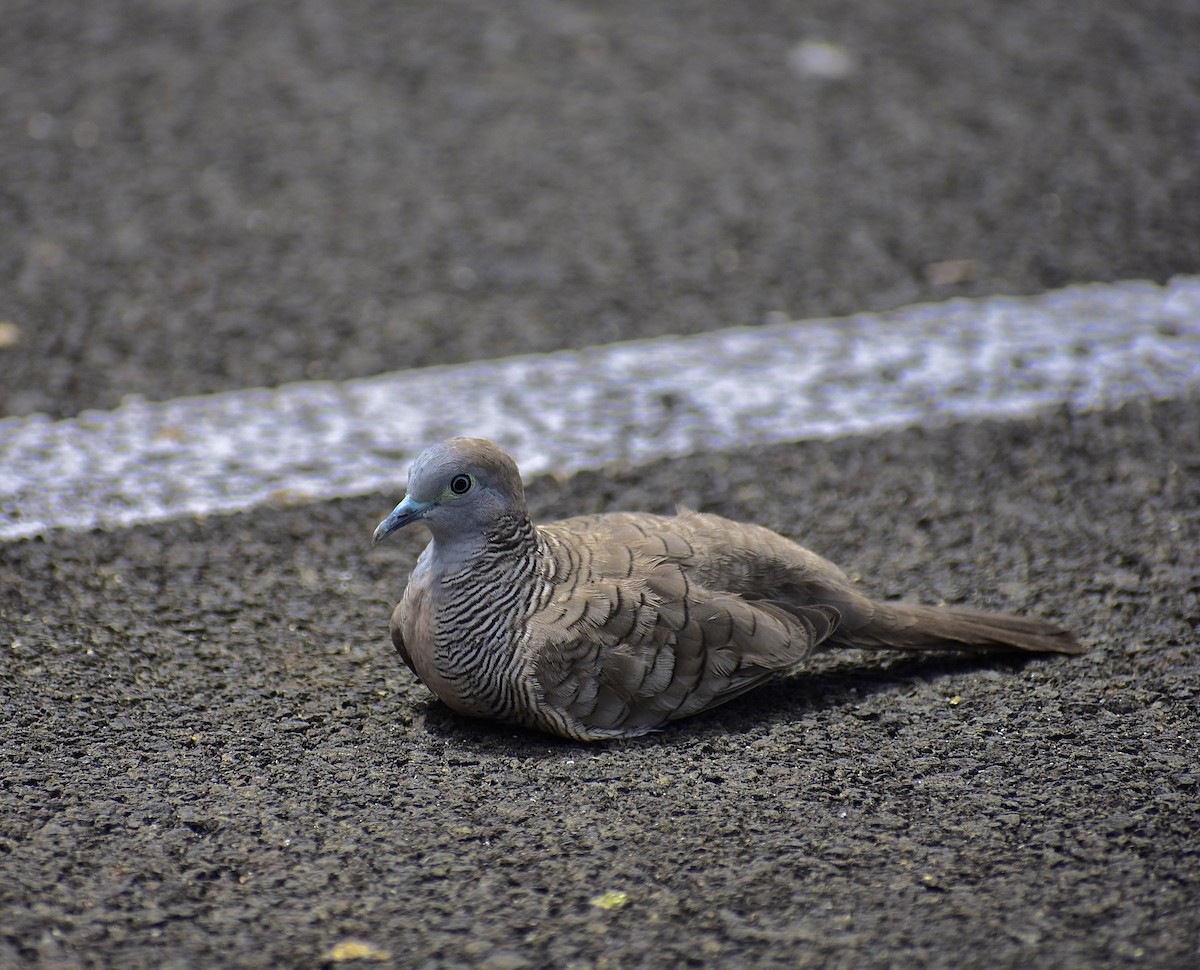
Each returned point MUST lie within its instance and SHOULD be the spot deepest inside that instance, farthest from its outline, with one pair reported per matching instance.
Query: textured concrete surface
(209, 755)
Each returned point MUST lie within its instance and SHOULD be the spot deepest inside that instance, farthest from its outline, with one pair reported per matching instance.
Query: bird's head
(459, 487)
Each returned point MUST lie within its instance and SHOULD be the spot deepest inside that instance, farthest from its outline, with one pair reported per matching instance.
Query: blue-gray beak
(406, 513)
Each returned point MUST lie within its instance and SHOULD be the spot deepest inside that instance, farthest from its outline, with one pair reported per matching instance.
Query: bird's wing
(623, 653)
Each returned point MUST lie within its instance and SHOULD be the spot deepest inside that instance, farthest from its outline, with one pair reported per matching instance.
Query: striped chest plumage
(468, 625)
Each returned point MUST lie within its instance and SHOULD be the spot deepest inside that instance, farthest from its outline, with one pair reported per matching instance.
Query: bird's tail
(911, 626)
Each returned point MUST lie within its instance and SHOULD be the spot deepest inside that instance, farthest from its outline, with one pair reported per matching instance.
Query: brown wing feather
(623, 653)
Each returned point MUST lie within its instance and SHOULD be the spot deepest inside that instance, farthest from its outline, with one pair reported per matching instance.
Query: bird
(612, 625)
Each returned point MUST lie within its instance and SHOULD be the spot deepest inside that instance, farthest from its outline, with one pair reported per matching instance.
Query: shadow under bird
(609, 626)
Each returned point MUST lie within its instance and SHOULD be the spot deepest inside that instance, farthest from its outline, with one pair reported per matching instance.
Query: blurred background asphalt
(198, 196)
(210, 755)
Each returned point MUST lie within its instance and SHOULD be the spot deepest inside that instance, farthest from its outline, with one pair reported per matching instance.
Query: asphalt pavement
(209, 753)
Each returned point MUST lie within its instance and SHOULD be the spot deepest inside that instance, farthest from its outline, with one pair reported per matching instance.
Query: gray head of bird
(459, 489)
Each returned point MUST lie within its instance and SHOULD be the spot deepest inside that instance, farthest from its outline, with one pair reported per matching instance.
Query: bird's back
(719, 554)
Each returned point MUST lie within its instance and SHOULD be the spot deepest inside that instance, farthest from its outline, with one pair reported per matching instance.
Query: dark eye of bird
(460, 484)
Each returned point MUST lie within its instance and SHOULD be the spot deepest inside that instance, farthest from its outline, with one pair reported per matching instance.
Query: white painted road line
(1088, 347)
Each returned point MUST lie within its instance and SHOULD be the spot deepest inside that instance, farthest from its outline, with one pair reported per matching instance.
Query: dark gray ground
(213, 757)
(209, 754)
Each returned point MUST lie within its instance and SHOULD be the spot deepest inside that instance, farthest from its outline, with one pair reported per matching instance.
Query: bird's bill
(406, 513)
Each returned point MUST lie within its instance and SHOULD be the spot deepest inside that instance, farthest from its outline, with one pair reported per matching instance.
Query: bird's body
(611, 625)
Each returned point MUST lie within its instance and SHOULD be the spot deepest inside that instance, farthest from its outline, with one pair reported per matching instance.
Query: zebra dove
(609, 626)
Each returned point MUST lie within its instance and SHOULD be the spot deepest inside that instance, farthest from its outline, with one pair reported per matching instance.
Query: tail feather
(911, 626)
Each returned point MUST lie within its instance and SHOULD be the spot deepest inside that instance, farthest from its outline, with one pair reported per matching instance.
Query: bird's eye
(460, 484)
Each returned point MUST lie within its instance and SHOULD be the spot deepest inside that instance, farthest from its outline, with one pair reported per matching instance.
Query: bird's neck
(509, 539)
